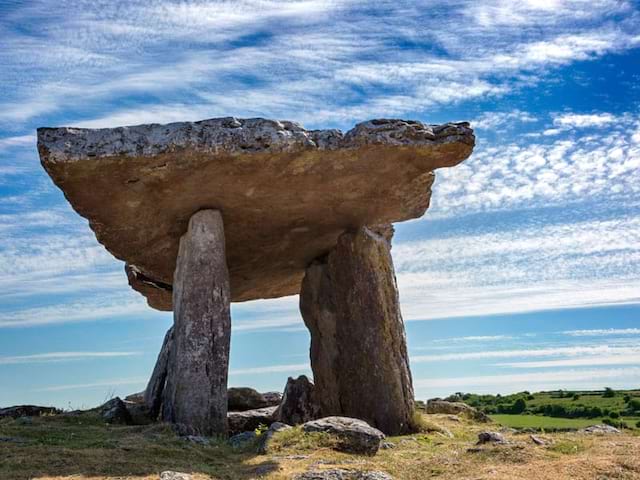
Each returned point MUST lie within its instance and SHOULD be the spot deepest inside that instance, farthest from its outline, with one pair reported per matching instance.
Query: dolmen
(230, 210)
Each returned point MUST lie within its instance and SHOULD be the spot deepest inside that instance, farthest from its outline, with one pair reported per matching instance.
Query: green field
(545, 423)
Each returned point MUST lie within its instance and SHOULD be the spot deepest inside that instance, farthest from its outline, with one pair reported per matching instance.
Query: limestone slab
(285, 193)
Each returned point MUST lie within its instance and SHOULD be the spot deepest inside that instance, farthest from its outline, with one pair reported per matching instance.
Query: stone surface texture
(285, 193)
(245, 398)
(195, 395)
(359, 353)
(298, 402)
(341, 474)
(356, 436)
(115, 411)
(250, 419)
(436, 405)
(155, 388)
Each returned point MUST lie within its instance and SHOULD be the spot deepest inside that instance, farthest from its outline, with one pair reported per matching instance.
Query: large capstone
(349, 301)
(286, 194)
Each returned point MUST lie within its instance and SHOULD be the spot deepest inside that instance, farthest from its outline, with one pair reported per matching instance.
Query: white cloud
(570, 351)
(587, 379)
(575, 120)
(61, 357)
(141, 382)
(591, 361)
(297, 367)
(603, 332)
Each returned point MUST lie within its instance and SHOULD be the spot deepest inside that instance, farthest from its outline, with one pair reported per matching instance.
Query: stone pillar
(349, 301)
(195, 396)
(155, 388)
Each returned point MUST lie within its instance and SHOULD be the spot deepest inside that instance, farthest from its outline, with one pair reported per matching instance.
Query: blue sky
(525, 272)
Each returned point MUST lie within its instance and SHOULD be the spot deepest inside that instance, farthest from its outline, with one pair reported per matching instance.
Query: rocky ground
(82, 446)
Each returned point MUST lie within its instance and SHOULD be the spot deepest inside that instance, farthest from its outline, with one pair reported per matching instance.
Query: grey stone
(115, 411)
(197, 439)
(355, 435)
(135, 397)
(195, 395)
(170, 475)
(242, 440)
(265, 438)
(139, 413)
(28, 411)
(537, 440)
(349, 301)
(387, 445)
(490, 437)
(250, 419)
(436, 405)
(286, 193)
(153, 394)
(340, 474)
(298, 402)
(245, 398)
(600, 429)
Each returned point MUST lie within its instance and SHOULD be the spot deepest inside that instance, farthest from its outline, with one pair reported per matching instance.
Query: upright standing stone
(366, 358)
(195, 394)
(318, 309)
(155, 388)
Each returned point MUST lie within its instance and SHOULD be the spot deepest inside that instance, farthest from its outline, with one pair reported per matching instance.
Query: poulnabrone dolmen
(230, 210)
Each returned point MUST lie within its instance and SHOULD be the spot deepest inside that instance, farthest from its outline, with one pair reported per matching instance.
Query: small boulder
(298, 402)
(241, 440)
(537, 440)
(240, 399)
(27, 411)
(250, 419)
(115, 411)
(135, 398)
(340, 474)
(356, 436)
(437, 405)
(169, 475)
(600, 429)
(273, 399)
(139, 412)
(490, 437)
(265, 438)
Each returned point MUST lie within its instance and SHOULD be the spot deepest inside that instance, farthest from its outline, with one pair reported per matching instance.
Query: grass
(544, 423)
(82, 448)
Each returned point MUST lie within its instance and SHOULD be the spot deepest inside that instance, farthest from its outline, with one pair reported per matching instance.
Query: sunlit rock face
(286, 194)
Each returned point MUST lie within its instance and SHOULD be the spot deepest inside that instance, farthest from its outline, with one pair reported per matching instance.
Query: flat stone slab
(285, 193)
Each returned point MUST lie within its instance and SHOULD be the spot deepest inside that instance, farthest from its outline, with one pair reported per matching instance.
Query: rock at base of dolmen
(298, 402)
(341, 474)
(115, 411)
(356, 436)
(286, 193)
(245, 398)
(250, 419)
(435, 406)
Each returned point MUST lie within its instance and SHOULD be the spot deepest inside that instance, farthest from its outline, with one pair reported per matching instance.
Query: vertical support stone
(195, 396)
(354, 294)
(155, 388)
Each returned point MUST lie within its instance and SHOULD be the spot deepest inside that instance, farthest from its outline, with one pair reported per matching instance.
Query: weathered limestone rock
(115, 411)
(318, 309)
(341, 474)
(250, 419)
(359, 353)
(195, 394)
(245, 398)
(355, 435)
(18, 411)
(435, 405)
(155, 388)
(286, 193)
(298, 402)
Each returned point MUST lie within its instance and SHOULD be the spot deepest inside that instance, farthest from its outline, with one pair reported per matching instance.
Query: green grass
(545, 423)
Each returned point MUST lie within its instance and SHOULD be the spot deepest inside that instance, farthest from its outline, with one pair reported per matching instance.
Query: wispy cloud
(590, 361)
(296, 367)
(603, 332)
(593, 378)
(101, 384)
(61, 357)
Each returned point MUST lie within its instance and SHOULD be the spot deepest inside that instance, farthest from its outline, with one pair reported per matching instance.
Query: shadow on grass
(60, 446)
